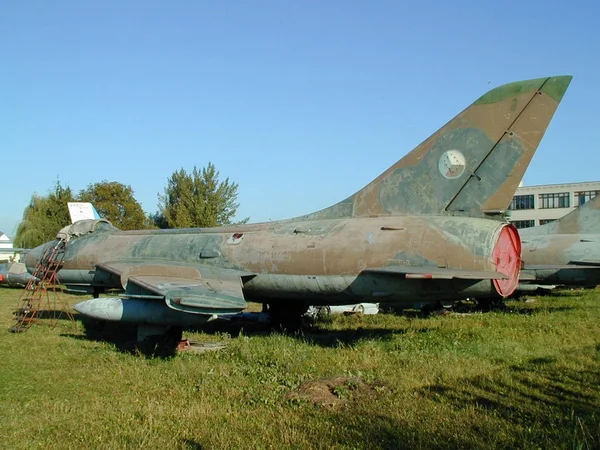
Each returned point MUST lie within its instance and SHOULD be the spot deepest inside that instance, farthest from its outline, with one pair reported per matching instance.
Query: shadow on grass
(526, 310)
(57, 314)
(515, 307)
(188, 444)
(124, 339)
(365, 430)
(311, 333)
(539, 404)
(350, 337)
(124, 336)
(549, 404)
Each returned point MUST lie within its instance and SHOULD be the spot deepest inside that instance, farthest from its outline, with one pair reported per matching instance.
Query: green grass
(528, 377)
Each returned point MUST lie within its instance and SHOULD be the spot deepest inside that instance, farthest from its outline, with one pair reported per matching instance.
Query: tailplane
(472, 165)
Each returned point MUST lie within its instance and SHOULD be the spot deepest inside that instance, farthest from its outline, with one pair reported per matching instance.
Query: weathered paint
(556, 90)
(498, 135)
(318, 261)
(14, 274)
(573, 241)
(429, 211)
(583, 220)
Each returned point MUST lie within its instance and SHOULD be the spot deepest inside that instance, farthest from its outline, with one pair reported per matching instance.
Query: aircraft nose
(32, 257)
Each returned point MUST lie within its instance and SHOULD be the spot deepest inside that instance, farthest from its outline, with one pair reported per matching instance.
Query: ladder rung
(17, 329)
(26, 319)
(44, 279)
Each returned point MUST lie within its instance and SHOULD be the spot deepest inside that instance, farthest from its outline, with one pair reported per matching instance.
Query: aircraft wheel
(162, 345)
(491, 304)
(430, 308)
(287, 317)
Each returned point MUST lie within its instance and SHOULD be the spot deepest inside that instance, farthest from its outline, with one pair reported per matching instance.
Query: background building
(537, 205)
(6, 245)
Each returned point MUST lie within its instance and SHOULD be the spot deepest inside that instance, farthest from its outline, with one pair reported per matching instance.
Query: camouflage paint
(498, 135)
(293, 253)
(417, 233)
(573, 241)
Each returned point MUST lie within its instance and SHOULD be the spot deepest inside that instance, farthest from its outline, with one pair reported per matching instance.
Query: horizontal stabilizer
(572, 266)
(586, 262)
(438, 273)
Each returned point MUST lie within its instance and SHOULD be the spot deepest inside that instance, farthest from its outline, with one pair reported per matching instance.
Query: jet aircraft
(14, 273)
(421, 232)
(565, 251)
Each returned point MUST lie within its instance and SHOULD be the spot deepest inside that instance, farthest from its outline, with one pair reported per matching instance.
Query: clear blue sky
(299, 102)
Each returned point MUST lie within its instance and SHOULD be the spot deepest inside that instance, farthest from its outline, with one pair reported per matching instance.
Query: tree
(44, 217)
(197, 199)
(115, 202)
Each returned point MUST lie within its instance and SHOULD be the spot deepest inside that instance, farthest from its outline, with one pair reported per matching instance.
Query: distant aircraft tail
(583, 220)
(472, 165)
(82, 211)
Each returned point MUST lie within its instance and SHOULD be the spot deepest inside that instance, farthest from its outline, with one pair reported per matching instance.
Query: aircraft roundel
(452, 164)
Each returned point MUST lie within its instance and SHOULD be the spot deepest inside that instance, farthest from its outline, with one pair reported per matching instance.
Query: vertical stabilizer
(582, 220)
(472, 165)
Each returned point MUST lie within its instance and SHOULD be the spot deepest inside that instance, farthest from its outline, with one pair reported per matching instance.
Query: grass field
(527, 377)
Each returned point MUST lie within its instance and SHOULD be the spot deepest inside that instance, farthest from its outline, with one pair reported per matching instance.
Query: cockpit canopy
(82, 227)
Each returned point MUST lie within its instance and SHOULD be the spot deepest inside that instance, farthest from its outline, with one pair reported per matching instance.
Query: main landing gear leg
(160, 340)
(286, 316)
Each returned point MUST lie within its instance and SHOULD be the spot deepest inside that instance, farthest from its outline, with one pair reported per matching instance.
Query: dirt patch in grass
(334, 392)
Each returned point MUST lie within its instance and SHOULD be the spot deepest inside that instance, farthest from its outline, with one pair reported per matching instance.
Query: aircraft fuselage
(319, 261)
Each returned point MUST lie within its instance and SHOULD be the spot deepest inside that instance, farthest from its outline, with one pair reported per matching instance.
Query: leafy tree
(115, 202)
(155, 220)
(44, 217)
(197, 199)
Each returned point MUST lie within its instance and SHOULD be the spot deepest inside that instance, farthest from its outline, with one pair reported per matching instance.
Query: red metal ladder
(41, 296)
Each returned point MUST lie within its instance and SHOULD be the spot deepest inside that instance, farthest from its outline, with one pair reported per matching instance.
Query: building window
(524, 223)
(522, 202)
(583, 196)
(560, 200)
(545, 221)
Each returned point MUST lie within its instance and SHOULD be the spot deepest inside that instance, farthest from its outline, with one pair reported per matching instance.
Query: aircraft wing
(585, 273)
(587, 262)
(202, 290)
(572, 265)
(438, 273)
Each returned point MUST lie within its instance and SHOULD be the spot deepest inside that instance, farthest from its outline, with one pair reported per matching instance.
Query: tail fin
(472, 165)
(82, 211)
(582, 220)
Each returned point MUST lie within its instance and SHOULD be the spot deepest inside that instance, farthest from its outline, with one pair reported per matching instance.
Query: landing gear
(491, 304)
(286, 316)
(159, 340)
(432, 308)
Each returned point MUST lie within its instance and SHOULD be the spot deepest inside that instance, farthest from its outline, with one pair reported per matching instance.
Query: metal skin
(566, 251)
(14, 274)
(419, 233)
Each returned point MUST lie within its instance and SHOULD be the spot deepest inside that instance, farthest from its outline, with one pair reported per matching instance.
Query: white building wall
(5, 241)
(6, 245)
(550, 201)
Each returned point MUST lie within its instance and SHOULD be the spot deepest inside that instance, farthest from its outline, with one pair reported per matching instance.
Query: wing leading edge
(183, 288)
